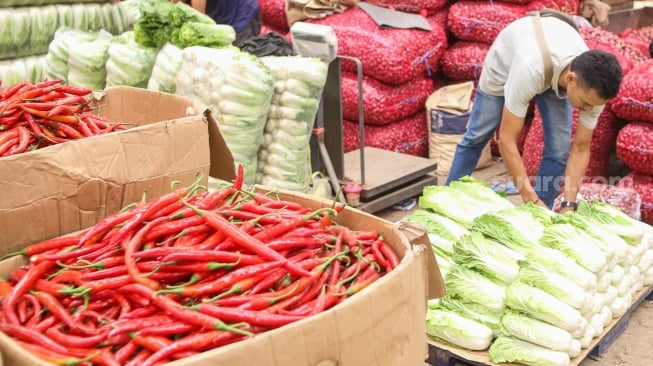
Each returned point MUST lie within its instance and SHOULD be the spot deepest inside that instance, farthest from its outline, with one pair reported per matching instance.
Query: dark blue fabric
(236, 13)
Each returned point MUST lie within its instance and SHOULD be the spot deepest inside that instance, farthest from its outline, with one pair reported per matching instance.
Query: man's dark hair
(598, 70)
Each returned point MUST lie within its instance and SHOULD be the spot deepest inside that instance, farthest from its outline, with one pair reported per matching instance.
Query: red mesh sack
(392, 56)
(408, 136)
(635, 99)
(273, 12)
(479, 21)
(383, 103)
(635, 146)
(640, 38)
(464, 60)
(570, 7)
(624, 198)
(643, 185)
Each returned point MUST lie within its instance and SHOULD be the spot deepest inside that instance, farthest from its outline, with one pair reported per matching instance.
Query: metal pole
(361, 119)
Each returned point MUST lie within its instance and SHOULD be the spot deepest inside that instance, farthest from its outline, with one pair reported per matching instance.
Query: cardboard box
(71, 186)
(383, 325)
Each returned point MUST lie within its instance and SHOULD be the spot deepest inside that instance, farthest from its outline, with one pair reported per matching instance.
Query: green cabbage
(471, 286)
(203, 34)
(613, 219)
(477, 312)
(494, 260)
(575, 244)
(441, 230)
(556, 261)
(514, 227)
(536, 275)
(510, 349)
(543, 306)
(481, 192)
(526, 328)
(456, 329)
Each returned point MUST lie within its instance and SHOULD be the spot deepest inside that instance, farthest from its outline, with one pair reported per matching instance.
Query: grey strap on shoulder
(544, 49)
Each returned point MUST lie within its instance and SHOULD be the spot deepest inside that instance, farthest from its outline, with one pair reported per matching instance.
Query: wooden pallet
(441, 354)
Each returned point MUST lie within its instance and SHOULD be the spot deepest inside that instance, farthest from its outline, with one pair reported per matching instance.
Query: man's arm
(199, 5)
(511, 127)
(579, 156)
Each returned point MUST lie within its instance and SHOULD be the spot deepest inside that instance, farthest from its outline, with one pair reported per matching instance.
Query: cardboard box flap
(137, 107)
(417, 236)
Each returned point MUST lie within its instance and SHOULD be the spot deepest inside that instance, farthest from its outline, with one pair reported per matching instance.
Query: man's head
(594, 78)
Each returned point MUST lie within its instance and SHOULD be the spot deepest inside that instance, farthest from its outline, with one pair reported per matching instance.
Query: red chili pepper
(196, 341)
(378, 256)
(140, 357)
(67, 130)
(10, 91)
(138, 324)
(53, 305)
(64, 110)
(126, 351)
(172, 308)
(213, 256)
(56, 118)
(248, 316)
(156, 343)
(32, 336)
(246, 241)
(69, 89)
(69, 340)
(132, 247)
(224, 282)
(24, 139)
(390, 255)
(21, 288)
(169, 329)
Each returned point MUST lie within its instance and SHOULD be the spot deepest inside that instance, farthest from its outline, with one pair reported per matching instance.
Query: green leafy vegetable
(543, 306)
(526, 328)
(458, 330)
(515, 228)
(510, 349)
(494, 260)
(471, 286)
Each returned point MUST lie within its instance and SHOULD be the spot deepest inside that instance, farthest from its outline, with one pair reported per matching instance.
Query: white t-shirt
(513, 67)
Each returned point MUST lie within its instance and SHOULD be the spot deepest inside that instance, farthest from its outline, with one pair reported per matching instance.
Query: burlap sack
(298, 10)
(448, 110)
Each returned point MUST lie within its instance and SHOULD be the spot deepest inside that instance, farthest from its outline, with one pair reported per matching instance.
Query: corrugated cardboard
(383, 325)
(68, 187)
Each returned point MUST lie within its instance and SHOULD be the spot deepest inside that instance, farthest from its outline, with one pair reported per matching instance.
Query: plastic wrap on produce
(284, 156)
(129, 63)
(28, 30)
(87, 62)
(238, 88)
(167, 65)
(56, 61)
(30, 68)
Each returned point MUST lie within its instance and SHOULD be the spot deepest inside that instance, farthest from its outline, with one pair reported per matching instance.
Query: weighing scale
(386, 177)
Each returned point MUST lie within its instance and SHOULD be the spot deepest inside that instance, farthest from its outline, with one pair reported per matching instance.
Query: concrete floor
(630, 349)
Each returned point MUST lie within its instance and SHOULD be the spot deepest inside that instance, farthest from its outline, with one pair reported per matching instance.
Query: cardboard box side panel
(392, 312)
(222, 162)
(138, 106)
(85, 179)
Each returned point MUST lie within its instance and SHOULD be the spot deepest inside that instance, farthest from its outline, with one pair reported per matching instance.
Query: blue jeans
(484, 120)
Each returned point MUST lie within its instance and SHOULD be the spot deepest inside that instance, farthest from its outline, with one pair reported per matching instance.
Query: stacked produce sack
(284, 155)
(273, 16)
(529, 285)
(397, 66)
(29, 28)
(238, 89)
(634, 103)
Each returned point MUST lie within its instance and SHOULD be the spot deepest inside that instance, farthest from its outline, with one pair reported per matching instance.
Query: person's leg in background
(556, 122)
(484, 120)
(252, 30)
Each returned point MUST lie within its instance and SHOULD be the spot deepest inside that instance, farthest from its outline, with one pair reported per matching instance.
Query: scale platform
(390, 177)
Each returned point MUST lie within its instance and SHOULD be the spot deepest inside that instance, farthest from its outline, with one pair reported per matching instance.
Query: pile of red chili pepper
(183, 273)
(36, 115)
